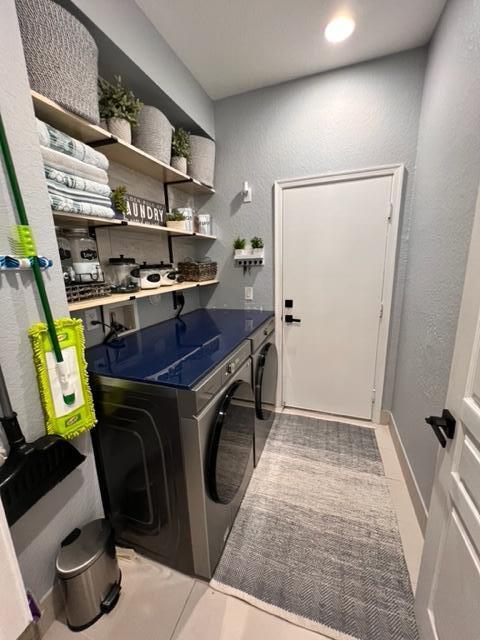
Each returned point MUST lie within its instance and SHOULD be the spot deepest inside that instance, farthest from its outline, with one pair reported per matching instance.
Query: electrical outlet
(90, 316)
(248, 293)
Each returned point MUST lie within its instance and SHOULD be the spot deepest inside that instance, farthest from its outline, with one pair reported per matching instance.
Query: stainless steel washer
(264, 382)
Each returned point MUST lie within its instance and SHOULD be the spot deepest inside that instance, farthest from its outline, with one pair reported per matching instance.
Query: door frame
(396, 171)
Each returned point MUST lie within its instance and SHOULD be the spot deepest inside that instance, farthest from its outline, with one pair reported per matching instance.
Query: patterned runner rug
(316, 539)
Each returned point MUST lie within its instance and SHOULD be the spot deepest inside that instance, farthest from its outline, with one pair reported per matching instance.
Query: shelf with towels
(115, 149)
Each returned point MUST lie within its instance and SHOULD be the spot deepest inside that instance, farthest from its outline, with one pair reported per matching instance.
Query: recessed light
(339, 29)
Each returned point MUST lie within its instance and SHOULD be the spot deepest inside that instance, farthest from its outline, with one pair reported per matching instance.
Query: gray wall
(76, 500)
(127, 26)
(353, 118)
(447, 176)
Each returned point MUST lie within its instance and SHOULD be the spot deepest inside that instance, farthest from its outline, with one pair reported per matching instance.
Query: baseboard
(412, 486)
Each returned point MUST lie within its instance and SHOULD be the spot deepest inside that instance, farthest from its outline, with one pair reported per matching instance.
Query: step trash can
(88, 573)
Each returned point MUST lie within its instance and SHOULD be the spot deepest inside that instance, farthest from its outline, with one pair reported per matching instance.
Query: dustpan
(32, 469)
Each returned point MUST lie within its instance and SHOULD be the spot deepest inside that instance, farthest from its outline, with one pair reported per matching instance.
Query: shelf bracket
(103, 143)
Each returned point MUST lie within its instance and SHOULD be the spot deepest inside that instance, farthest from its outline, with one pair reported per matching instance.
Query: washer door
(231, 442)
(266, 382)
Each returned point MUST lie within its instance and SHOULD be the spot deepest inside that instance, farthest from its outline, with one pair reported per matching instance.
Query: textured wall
(76, 500)
(357, 117)
(447, 176)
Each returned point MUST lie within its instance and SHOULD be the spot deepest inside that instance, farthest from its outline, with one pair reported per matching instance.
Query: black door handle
(289, 319)
(442, 426)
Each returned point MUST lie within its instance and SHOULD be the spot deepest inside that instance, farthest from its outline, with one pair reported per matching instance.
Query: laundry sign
(144, 211)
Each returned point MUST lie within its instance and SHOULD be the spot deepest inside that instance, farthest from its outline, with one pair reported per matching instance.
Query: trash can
(88, 573)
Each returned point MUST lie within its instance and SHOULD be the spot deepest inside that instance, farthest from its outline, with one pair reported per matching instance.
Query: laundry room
(239, 247)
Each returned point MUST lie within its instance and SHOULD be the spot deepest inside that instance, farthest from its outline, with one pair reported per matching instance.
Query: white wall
(446, 185)
(357, 117)
(76, 500)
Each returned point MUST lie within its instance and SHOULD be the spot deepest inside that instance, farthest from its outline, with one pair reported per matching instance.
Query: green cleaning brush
(23, 244)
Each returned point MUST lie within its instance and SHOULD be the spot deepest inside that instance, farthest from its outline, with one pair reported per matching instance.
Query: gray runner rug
(316, 539)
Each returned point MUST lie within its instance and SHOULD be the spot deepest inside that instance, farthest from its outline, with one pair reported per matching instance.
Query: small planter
(258, 253)
(154, 133)
(179, 163)
(178, 225)
(240, 253)
(120, 128)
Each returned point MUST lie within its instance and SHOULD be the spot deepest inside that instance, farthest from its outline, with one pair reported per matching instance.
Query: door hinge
(381, 310)
(373, 396)
(390, 212)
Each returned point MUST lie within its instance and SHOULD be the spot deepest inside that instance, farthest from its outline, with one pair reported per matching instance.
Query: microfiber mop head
(67, 421)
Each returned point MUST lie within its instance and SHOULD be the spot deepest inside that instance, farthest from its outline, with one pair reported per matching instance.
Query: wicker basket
(61, 56)
(201, 164)
(154, 133)
(197, 271)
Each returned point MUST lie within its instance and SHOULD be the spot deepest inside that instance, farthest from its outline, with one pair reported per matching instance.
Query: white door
(448, 592)
(335, 238)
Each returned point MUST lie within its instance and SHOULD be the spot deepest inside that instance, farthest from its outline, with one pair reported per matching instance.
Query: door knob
(289, 319)
(442, 426)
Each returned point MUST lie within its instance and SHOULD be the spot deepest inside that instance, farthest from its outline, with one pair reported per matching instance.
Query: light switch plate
(248, 293)
(90, 315)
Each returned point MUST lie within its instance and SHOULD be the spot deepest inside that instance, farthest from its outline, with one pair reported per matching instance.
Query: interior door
(448, 592)
(334, 246)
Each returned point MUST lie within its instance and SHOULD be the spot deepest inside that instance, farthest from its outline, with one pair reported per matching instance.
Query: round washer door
(266, 382)
(231, 442)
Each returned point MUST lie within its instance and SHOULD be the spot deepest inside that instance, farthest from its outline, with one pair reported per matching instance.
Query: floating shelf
(123, 297)
(75, 220)
(115, 149)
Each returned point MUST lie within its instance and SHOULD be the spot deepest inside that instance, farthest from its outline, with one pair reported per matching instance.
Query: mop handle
(22, 216)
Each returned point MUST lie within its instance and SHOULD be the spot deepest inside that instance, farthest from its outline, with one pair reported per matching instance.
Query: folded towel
(78, 196)
(54, 139)
(68, 164)
(76, 182)
(67, 205)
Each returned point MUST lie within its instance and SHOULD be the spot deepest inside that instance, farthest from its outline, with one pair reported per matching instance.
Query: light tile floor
(160, 604)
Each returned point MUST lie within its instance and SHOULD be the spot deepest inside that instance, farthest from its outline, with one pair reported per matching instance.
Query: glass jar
(85, 256)
(120, 274)
(65, 251)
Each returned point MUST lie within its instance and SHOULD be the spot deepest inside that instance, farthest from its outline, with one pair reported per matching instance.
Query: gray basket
(154, 133)
(202, 159)
(61, 56)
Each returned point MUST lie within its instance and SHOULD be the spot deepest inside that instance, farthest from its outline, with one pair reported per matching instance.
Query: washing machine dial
(231, 367)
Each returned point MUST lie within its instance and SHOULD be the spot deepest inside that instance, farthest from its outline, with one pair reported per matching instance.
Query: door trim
(396, 171)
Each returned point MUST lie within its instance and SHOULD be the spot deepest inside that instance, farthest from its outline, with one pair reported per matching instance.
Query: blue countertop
(177, 353)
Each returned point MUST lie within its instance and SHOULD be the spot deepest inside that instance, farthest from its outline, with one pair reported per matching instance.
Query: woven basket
(61, 56)
(197, 271)
(201, 164)
(154, 133)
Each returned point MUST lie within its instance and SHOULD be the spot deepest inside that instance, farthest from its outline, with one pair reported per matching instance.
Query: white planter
(258, 253)
(240, 253)
(179, 163)
(120, 128)
(178, 225)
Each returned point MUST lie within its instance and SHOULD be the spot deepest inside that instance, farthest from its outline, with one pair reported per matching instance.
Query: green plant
(257, 243)
(181, 143)
(239, 243)
(175, 216)
(116, 101)
(118, 199)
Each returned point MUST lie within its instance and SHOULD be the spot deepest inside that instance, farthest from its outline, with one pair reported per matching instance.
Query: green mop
(58, 345)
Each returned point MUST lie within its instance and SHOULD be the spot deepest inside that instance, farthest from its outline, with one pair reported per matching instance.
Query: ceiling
(232, 46)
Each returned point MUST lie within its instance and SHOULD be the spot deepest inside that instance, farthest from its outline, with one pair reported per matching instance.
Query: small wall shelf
(122, 297)
(115, 149)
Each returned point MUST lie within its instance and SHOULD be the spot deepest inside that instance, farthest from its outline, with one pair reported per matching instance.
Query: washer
(173, 463)
(264, 382)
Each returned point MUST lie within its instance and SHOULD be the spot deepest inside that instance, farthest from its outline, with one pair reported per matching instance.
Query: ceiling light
(339, 29)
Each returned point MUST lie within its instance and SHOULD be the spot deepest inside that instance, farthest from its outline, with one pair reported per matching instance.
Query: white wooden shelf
(115, 149)
(146, 293)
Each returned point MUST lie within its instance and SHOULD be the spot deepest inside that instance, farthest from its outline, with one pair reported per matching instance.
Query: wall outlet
(90, 315)
(248, 293)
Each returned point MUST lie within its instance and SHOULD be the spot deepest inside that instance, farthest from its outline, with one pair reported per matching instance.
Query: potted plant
(239, 246)
(180, 150)
(119, 107)
(257, 246)
(119, 202)
(176, 220)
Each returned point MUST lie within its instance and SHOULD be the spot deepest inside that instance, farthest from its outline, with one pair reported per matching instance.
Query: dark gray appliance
(264, 382)
(174, 464)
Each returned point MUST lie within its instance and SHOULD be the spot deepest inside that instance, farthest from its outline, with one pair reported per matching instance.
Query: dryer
(264, 382)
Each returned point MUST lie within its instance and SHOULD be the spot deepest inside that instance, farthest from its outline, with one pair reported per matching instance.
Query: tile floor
(158, 603)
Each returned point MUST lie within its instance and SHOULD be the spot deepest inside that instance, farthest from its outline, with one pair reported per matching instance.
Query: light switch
(248, 293)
